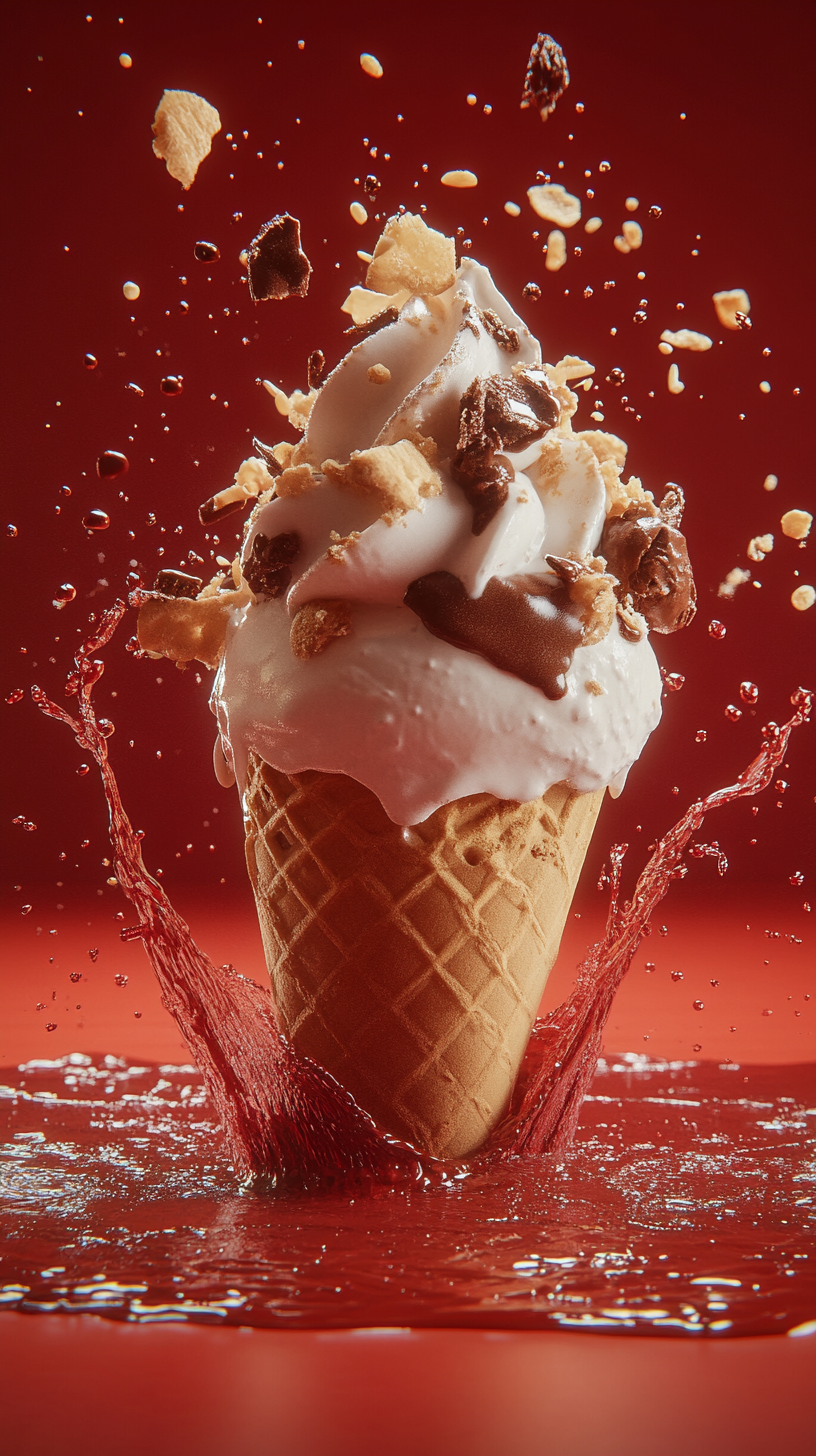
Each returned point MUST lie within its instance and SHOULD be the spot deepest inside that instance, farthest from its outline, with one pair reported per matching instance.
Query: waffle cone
(411, 963)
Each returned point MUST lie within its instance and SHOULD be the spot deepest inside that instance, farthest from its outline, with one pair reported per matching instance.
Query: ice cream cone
(410, 963)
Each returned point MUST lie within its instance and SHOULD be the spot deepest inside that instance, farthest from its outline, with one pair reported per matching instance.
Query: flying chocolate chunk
(276, 265)
(497, 413)
(547, 76)
(649, 557)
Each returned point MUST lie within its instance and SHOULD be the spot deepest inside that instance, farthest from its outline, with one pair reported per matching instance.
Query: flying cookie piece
(183, 129)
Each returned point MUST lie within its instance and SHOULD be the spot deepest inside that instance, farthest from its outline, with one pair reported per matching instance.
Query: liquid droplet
(64, 594)
(110, 464)
(96, 521)
(797, 878)
(677, 975)
(90, 361)
(733, 714)
(172, 384)
(531, 291)
(16, 696)
(700, 736)
(749, 692)
(698, 1005)
(206, 252)
(717, 630)
(11, 530)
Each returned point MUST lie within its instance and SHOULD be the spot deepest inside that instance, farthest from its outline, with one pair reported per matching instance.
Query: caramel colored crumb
(183, 129)
(340, 545)
(737, 576)
(555, 204)
(556, 251)
(594, 687)
(398, 474)
(410, 255)
(183, 630)
(797, 524)
(759, 547)
(803, 598)
(317, 624)
(379, 374)
(729, 303)
(295, 480)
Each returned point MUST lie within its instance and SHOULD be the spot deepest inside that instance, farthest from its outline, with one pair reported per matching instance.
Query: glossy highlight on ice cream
(442, 450)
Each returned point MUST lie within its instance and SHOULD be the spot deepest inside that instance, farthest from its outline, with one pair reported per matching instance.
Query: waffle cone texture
(411, 963)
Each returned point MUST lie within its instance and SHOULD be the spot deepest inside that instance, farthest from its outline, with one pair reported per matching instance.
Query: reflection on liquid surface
(686, 1205)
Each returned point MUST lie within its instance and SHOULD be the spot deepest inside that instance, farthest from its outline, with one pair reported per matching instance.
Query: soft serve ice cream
(430, 608)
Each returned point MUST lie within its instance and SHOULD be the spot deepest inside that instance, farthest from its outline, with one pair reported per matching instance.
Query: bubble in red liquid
(94, 953)
(714, 983)
(106, 727)
(90, 361)
(26, 909)
(771, 731)
(172, 384)
(29, 826)
(84, 768)
(677, 975)
(767, 1011)
(650, 965)
(132, 580)
(781, 785)
(717, 630)
(16, 696)
(120, 979)
(700, 736)
(50, 1025)
(749, 692)
(96, 521)
(733, 714)
(11, 530)
(75, 976)
(663, 930)
(698, 1005)
(206, 252)
(655, 211)
(802, 698)
(640, 316)
(184, 307)
(110, 464)
(673, 681)
(617, 376)
(697, 1047)
(531, 291)
(797, 878)
(63, 595)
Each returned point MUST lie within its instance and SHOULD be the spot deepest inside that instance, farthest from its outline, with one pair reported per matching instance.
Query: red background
(93, 207)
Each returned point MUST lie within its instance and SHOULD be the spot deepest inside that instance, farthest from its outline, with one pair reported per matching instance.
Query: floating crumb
(592, 224)
(131, 291)
(729, 303)
(277, 265)
(410, 256)
(556, 251)
(803, 598)
(594, 687)
(738, 576)
(399, 475)
(358, 213)
(676, 385)
(459, 177)
(632, 204)
(547, 76)
(633, 233)
(621, 244)
(183, 130)
(317, 624)
(371, 65)
(796, 524)
(555, 204)
(686, 339)
(770, 482)
(512, 209)
(759, 547)
(125, 61)
(379, 374)
(765, 386)
(665, 348)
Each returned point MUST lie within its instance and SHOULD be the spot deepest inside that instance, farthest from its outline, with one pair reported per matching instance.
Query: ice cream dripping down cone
(410, 963)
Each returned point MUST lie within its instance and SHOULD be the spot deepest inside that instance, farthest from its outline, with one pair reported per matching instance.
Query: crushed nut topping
(317, 624)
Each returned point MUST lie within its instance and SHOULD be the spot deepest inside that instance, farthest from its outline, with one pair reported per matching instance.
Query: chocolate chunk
(269, 569)
(315, 369)
(496, 414)
(177, 584)
(649, 557)
(206, 252)
(547, 76)
(110, 464)
(267, 454)
(373, 325)
(505, 337)
(277, 266)
(523, 624)
(210, 511)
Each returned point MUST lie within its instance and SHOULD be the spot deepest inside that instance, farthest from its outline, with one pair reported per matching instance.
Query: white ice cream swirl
(418, 720)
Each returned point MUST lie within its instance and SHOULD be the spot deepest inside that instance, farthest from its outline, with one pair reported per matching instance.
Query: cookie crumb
(556, 251)
(183, 130)
(594, 687)
(759, 547)
(797, 524)
(803, 598)
(379, 374)
(555, 204)
(738, 576)
(317, 624)
(729, 303)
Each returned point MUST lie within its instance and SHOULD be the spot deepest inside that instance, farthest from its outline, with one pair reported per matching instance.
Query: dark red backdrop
(92, 207)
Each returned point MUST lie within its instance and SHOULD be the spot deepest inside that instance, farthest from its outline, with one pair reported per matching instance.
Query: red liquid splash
(284, 1117)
